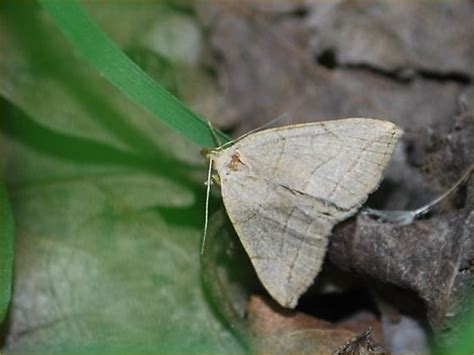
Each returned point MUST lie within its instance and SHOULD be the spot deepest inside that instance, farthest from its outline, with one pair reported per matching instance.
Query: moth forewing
(285, 188)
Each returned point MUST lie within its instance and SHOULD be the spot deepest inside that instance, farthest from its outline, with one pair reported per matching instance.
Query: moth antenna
(233, 141)
(206, 211)
(282, 117)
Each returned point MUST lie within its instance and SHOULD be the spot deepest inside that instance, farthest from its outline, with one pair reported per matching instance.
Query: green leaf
(466, 345)
(108, 204)
(7, 233)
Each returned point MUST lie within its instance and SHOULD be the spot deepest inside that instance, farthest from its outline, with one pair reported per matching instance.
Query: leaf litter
(286, 68)
(84, 227)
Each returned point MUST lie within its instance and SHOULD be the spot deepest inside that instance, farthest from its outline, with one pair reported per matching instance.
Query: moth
(285, 188)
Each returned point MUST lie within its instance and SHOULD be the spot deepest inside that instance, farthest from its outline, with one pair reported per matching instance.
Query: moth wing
(283, 232)
(285, 188)
(340, 162)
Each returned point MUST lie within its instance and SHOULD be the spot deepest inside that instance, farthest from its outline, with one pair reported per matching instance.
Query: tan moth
(285, 188)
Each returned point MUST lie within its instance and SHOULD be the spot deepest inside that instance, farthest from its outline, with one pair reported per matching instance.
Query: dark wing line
(316, 198)
(275, 221)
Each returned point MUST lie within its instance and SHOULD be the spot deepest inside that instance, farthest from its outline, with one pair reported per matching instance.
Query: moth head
(209, 154)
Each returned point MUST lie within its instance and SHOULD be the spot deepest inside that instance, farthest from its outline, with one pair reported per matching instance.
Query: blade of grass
(7, 230)
(102, 53)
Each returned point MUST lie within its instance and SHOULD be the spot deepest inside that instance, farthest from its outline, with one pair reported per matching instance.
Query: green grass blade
(7, 230)
(115, 66)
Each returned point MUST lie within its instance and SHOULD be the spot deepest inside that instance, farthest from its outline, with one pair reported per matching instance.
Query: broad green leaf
(108, 204)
